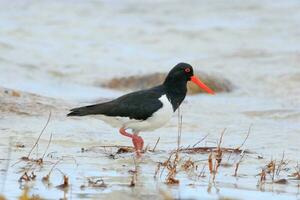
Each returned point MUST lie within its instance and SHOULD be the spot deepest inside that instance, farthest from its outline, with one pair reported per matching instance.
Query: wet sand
(76, 150)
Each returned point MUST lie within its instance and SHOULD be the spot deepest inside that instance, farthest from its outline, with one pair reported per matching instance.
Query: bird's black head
(176, 81)
(181, 73)
(178, 77)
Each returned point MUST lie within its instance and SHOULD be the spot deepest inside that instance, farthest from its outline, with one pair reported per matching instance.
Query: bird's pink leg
(123, 132)
(137, 141)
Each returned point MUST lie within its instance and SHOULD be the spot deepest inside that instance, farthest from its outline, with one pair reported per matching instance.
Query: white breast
(157, 120)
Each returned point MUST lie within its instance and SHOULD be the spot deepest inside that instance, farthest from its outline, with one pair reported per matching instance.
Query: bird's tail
(82, 111)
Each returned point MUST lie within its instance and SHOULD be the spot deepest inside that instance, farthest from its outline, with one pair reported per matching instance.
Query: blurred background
(52, 47)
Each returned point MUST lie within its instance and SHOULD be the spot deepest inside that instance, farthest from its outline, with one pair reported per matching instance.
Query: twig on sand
(27, 177)
(296, 174)
(50, 139)
(46, 178)
(202, 172)
(65, 185)
(262, 178)
(221, 138)
(210, 163)
(201, 140)
(238, 163)
(164, 165)
(155, 144)
(179, 129)
(219, 154)
(157, 170)
(213, 149)
(36, 142)
(38, 161)
(248, 133)
(219, 150)
(214, 166)
(172, 165)
(106, 146)
(134, 174)
(281, 164)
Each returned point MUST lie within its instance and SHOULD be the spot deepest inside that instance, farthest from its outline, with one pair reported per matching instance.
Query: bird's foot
(137, 141)
(138, 144)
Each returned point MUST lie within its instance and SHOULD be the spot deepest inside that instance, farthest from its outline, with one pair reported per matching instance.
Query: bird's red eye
(187, 70)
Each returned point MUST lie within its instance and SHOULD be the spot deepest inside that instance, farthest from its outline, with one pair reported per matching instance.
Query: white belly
(157, 120)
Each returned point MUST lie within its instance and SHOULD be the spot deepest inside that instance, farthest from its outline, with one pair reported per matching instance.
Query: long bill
(198, 82)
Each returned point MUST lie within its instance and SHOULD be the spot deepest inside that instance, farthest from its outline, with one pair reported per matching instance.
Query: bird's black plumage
(142, 104)
(136, 105)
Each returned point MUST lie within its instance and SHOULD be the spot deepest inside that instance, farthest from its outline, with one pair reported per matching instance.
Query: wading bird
(145, 110)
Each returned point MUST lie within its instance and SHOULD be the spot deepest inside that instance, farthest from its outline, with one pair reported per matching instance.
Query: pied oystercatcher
(145, 110)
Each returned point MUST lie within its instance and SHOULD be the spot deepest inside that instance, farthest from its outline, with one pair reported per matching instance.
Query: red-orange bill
(197, 81)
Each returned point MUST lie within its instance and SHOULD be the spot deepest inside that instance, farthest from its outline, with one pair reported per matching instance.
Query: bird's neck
(176, 92)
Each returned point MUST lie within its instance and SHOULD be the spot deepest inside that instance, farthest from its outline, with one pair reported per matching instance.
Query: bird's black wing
(136, 105)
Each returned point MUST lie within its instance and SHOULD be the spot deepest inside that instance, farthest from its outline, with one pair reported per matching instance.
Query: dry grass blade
(172, 181)
(238, 163)
(50, 139)
(179, 129)
(27, 177)
(125, 150)
(46, 178)
(188, 165)
(120, 149)
(65, 185)
(221, 138)
(157, 170)
(201, 140)
(212, 149)
(35, 144)
(202, 172)
(281, 164)
(219, 154)
(210, 163)
(248, 133)
(155, 144)
(218, 157)
(296, 174)
(134, 174)
(165, 163)
(172, 166)
(271, 169)
(263, 176)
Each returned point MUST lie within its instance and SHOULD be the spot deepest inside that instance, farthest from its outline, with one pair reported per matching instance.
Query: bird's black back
(136, 105)
(142, 104)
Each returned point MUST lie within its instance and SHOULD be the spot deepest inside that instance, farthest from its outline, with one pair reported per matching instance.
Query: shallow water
(63, 50)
